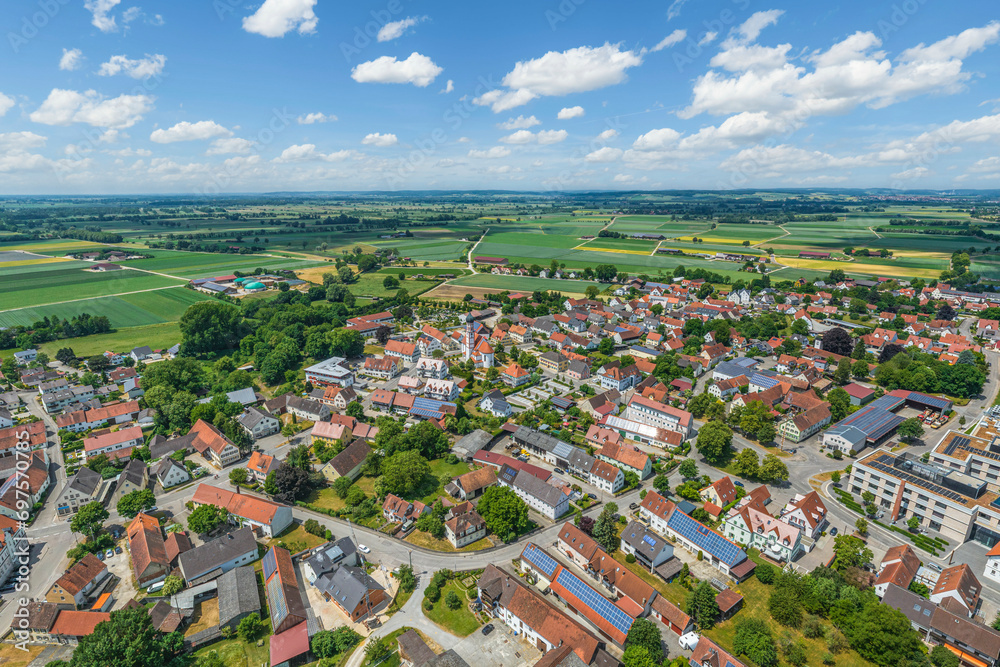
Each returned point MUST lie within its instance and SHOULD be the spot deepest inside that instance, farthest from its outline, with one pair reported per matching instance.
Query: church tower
(469, 338)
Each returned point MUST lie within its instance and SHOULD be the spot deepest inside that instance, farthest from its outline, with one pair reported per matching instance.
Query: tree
(688, 469)
(367, 263)
(89, 519)
(859, 369)
(206, 518)
(913, 523)
(390, 283)
(605, 273)
(753, 639)
(403, 472)
(946, 312)
(701, 606)
(910, 430)
(843, 373)
(238, 476)
(962, 380)
(637, 656)
(356, 410)
(840, 403)
(884, 635)
(452, 600)
(784, 605)
(773, 469)
(288, 483)
(250, 628)
(764, 573)
(861, 525)
(767, 433)
(128, 639)
(210, 326)
(136, 501)
(838, 341)
(329, 643)
(172, 584)
(715, 441)
(835, 477)
(646, 634)
(429, 522)
(942, 657)
(65, 355)
(746, 463)
(407, 580)
(346, 343)
(888, 352)
(848, 552)
(605, 528)
(505, 514)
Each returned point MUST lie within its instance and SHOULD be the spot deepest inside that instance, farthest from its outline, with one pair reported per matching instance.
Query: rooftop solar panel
(543, 562)
(706, 539)
(884, 464)
(649, 540)
(270, 564)
(959, 441)
(602, 606)
(276, 601)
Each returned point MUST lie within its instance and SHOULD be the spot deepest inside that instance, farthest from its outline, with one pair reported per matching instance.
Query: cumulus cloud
(570, 112)
(20, 141)
(519, 123)
(559, 73)
(276, 18)
(416, 69)
(674, 10)
(394, 30)
(608, 135)
(380, 140)
(676, 37)
(71, 60)
(142, 68)
(315, 117)
(448, 87)
(185, 131)
(490, 154)
(308, 153)
(989, 164)
(64, 107)
(909, 174)
(230, 146)
(543, 137)
(6, 104)
(101, 10)
(606, 154)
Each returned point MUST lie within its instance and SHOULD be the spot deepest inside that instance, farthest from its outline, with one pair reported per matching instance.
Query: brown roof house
(899, 566)
(465, 528)
(958, 590)
(71, 589)
(149, 554)
(210, 443)
(348, 462)
(472, 484)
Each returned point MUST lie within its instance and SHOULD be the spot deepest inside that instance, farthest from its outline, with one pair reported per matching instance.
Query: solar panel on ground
(602, 606)
(543, 562)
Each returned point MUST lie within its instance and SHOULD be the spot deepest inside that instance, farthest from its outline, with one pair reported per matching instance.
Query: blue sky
(115, 96)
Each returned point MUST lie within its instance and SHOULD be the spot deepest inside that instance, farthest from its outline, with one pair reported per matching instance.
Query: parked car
(737, 482)
(592, 496)
(363, 549)
(100, 556)
(110, 553)
(559, 470)
(118, 550)
(833, 531)
(633, 506)
(934, 566)
(487, 629)
(689, 641)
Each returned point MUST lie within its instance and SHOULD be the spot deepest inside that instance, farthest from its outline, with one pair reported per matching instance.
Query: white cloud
(605, 154)
(185, 131)
(909, 174)
(676, 37)
(6, 104)
(707, 38)
(230, 146)
(380, 140)
(308, 153)
(674, 10)
(750, 30)
(315, 117)
(519, 123)
(608, 135)
(552, 136)
(772, 161)
(558, 73)
(71, 59)
(275, 18)
(543, 137)
(417, 69)
(629, 179)
(448, 87)
(490, 154)
(20, 141)
(391, 31)
(137, 69)
(570, 112)
(986, 164)
(519, 137)
(657, 140)
(100, 9)
(131, 152)
(464, 140)
(63, 107)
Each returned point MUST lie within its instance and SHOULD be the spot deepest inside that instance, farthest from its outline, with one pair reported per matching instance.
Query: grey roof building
(328, 557)
(348, 586)
(238, 596)
(243, 396)
(469, 445)
(540, 496)
(649, 548)
(554, 450)
(217, 557)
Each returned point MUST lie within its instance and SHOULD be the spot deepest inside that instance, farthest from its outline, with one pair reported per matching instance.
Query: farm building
(497, 261)
(814, 255)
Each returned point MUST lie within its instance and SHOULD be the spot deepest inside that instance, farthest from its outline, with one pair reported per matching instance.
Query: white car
(363, 549)
(689, 641)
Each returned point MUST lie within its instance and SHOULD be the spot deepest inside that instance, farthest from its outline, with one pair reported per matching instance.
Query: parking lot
(500, 648)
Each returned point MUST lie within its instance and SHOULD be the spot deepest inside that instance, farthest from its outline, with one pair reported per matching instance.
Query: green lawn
(129, 310)
(526, 284)
(459, 621)
(237, 653)
(429, 542)
(432, 486)
(156, 336)
(39, 288)
(370, 284)
(297, 539)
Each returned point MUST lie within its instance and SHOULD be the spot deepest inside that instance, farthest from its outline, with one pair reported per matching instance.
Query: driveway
(500, 648)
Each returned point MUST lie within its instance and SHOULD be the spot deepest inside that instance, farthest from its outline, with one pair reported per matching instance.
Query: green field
(157, 336)
(526, 283)
(622, 244)
(129, 310)
(40, 288)
(189, 265)
(370, 284)
(736, 234)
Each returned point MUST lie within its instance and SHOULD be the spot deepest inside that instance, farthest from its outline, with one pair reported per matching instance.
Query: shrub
(433, 593)
(701, 556)
(765, 573)
(452, 600)
(630, 558)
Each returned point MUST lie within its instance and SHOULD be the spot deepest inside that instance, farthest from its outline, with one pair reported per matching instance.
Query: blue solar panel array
(649, 540)
(705, 539)
(763, 381)
(602, 606)
(929, 401)
(276, 601)
(540, 560)
(270, 564)
(873, 421)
